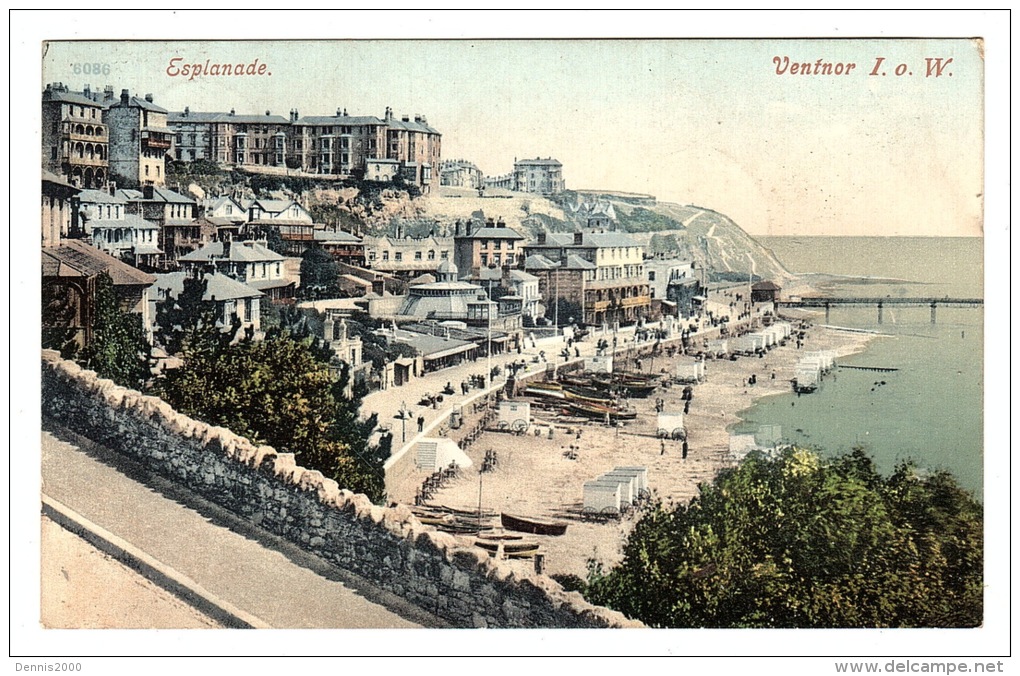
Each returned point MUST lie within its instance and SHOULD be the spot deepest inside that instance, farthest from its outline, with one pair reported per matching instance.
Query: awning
(449, 352)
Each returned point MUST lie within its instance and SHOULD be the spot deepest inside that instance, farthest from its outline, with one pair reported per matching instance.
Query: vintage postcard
(635, 333)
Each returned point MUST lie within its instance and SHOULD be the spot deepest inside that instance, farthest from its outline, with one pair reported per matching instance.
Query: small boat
(601, 412)
(551, 390)
(508, 547)
(533, 525)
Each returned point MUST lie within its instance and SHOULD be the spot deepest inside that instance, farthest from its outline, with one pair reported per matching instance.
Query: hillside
(685, 231)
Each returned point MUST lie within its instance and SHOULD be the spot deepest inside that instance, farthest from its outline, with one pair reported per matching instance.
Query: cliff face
(684, 231)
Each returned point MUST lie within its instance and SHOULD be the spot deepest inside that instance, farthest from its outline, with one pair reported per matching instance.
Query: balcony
(86, 138)
(84, 161)
(155, 140)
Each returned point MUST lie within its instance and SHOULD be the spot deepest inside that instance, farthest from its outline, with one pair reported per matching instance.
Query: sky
(707, 122)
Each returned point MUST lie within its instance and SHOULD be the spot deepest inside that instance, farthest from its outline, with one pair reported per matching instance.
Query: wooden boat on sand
(527, 524)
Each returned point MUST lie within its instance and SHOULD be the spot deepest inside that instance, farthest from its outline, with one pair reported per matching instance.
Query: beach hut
(626, 482)
(601, 498)
(599, 364)
(690, 372)
(436, 454)
(719, 347)
(514, 415)
(670, 426)
(639, 473)
(741, 445)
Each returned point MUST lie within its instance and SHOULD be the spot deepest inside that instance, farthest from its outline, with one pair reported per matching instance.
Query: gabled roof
(74, 258)
(276, 206)
(158, 195)
(492, 232)
(335, 236)
(100, 197)
(218, 286)
(136, 102)
(246, 252)
(128, 221)
(548, 161)
(65, 96)
(765, 286)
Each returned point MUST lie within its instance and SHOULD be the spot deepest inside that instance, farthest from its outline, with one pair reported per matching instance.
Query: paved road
(248, 569)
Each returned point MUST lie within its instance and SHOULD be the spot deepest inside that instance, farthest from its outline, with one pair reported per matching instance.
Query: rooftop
(247, 251)
(74, 258)
(218, 286)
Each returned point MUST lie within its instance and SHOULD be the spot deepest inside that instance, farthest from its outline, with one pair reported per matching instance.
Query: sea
(930, 410)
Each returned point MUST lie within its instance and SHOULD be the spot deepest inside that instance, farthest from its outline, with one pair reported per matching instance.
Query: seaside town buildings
(602, 272)
(460, 174)
(490, 245)
(340, 145)
(75, 138)
(543, 176)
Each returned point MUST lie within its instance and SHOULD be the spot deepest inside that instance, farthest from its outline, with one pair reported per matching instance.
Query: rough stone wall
(436, 571)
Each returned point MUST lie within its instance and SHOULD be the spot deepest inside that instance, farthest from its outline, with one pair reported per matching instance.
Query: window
(247, 311)
(497, 245)
(651, 275)
(399, 256)
(385, 255)
(432, 255)
(485, 259)
(417, 255)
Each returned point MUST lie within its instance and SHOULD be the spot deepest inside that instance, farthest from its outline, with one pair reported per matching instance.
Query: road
(265, 580)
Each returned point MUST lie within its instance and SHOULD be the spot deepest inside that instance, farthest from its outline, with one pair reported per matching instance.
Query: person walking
(421, 423)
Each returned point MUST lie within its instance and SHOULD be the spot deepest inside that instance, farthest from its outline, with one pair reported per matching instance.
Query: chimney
(231, 111)
(457, 230)
(467, 228)
(86, 91)
(187, 110)
(405, 118)
(338, 112)
(147, 191)
(108, 93)
(113, 187)
(378, 285)
(226, 249)
(148, 97)
(489, 223)
(500, 223)
(541, 237)
(389, 114)
(125, 96)
(417, 118)
(578, 238)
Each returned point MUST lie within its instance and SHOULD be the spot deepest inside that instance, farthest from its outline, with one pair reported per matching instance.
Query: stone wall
(437, 572)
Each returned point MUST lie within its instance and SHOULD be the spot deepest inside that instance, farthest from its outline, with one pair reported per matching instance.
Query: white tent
(436, 454)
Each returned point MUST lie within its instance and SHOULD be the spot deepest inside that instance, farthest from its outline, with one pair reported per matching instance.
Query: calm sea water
(931, 409)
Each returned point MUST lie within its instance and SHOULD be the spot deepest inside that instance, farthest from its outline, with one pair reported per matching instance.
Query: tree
(319, 275)
(188, 324)
(280, 392)
(119, 349)
(797, 541)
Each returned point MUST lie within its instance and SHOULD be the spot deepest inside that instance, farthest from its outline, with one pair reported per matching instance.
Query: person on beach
(421, 423)
(683, 450)
(662, 448)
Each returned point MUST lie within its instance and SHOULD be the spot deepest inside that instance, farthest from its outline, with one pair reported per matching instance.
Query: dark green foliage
(119, 350)
(798, 541)
(188, 324)
(565, 312)
(319, 275)
(285, 393)
(645, 220)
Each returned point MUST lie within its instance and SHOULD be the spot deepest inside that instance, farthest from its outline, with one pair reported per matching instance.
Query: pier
(880, 303)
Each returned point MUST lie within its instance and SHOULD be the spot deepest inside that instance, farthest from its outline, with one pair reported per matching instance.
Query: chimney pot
(267, 113)
(148, 97)
(578, 238)
(186, 111)
(125, 96)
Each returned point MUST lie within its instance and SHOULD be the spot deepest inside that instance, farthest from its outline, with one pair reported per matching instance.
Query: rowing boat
(533, 525)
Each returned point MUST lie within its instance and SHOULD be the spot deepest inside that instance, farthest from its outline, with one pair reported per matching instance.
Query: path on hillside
(248, 569)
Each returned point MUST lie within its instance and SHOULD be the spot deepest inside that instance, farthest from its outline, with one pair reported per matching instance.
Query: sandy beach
(537, 475)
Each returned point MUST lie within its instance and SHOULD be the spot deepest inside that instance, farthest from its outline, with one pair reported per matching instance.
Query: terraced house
(610, 280)
(75, 140)
(339, 145)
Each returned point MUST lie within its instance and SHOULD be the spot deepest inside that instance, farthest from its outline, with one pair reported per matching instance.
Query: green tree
(280, 392)
(319, 275)
(798, 541)
(188, 324)
(119, 349)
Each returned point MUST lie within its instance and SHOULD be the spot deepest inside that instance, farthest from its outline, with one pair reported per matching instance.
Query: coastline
(536, 476)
